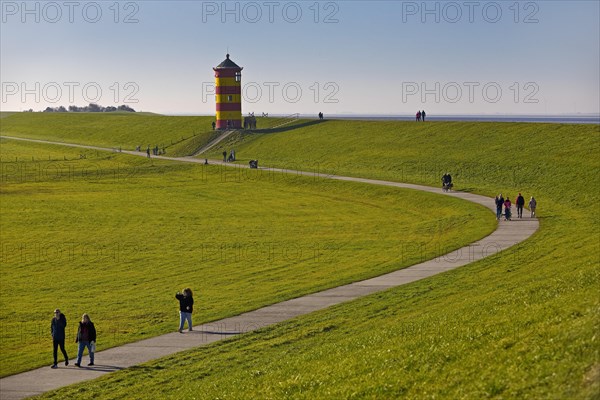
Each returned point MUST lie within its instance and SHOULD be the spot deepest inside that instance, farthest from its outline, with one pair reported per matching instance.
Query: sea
(555, 119)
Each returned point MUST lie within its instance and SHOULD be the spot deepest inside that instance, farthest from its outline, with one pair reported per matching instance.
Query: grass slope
(115, 236)
(126, 130)
(521, 324)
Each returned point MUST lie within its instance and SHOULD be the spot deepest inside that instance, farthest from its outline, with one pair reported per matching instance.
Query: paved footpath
(44, 379)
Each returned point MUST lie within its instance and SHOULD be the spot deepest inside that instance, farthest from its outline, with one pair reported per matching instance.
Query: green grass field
(115, 236)
(521, 324)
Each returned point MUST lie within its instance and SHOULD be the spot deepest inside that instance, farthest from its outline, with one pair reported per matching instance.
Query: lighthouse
(228, 89)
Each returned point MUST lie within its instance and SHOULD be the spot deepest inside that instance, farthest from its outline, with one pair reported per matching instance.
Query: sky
(336, 57)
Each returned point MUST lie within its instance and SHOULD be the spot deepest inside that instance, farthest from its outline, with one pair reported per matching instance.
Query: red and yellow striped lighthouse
(228, 82)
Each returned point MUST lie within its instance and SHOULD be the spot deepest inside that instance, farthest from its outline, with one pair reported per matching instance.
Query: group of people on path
(86, 331)
(231, 157)
(501, 203)
(250, 121)
(86, 338)
(421, 116)
(155, 150)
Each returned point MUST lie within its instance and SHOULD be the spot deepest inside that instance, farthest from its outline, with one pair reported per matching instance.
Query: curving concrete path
(506, 235)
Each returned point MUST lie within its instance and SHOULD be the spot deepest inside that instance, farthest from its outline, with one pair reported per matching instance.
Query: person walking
(496, 200)
(507, 210)
(520, 204)
(532, 206)
(148, 151)
(57, 330)
(86, 337)
(499, 205)
(418, 118)
(423, 115)
(186, 307)
(225, 156)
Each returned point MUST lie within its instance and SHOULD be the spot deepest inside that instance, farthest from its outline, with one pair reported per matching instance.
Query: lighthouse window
(229, 98)
(238, 77)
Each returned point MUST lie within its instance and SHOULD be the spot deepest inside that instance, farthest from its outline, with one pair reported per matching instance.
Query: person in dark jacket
(57, 329)
(532, 206)
(520, 204)
(186, 307)
(499, 204)
(86, 337)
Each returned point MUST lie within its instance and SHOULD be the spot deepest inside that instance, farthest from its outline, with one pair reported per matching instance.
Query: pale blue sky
(362, 57)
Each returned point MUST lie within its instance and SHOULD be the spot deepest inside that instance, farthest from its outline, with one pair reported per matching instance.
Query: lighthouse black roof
(227, 63)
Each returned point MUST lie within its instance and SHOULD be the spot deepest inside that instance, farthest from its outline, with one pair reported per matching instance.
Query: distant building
(228, 89)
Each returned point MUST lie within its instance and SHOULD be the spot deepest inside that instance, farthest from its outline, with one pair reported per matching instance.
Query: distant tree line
(92, 107)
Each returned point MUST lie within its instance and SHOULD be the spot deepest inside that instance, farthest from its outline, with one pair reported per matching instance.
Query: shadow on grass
(101, 368)
(146, 367)
(219, 333)
(464, 190)
(290, 127)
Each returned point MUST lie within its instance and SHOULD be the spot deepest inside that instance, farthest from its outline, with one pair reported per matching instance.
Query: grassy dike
(115, 236)
(523, 324)
(126, 130)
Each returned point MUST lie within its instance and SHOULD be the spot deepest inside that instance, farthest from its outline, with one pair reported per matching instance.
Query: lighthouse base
(229, 124)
